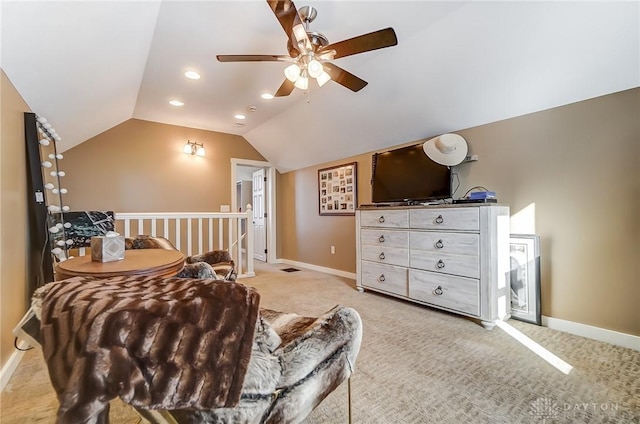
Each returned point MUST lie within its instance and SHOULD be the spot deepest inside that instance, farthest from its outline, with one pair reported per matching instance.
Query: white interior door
(260, 233)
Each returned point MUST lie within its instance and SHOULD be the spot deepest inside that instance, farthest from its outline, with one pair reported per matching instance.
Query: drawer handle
(381, 278)
(439, 244)
(438, 291)
(440, 264)
(381, 239)
(381, 256)
(439, 219)
(381, 219)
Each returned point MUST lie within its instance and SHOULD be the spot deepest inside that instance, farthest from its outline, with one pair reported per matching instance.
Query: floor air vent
(290, 269)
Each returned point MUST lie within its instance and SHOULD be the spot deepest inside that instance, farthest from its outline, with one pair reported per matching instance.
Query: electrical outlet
(470, 158)
(333, 250)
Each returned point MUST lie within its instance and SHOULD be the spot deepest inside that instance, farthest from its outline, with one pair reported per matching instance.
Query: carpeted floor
(418, 365)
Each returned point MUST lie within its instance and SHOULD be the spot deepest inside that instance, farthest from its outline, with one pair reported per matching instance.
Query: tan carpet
(418, 365)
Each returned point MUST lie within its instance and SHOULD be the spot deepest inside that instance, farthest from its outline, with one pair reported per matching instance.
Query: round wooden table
(149, 262)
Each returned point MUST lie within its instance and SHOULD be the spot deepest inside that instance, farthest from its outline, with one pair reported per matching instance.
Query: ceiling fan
(310, 52)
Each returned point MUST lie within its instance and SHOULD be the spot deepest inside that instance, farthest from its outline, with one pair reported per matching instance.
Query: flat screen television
(408, 175)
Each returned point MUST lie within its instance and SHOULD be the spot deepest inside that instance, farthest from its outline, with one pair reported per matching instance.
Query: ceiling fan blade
(344, 78)
(364, 43)
(285, 89)
(252, 58)
(289, 19)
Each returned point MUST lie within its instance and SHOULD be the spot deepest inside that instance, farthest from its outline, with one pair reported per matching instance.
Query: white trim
(601, 334)
(271, 199)
(318, 268)
(12, 364)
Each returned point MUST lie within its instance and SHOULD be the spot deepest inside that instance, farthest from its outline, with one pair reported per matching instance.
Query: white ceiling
(88, 66)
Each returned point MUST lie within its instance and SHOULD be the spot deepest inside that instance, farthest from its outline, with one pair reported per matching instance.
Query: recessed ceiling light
(176, 103)
(192, 75)
(267, 96)
(239, 116)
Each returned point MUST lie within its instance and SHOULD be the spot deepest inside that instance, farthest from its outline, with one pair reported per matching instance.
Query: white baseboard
(12, 364)
(596, 333)
(318, 268)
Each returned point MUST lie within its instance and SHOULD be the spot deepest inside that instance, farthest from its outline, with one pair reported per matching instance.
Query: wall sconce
(193, 148)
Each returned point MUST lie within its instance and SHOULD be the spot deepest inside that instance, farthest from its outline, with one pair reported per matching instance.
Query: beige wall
(570, 174)
(304, 235)
(139, 166)
(14, 231)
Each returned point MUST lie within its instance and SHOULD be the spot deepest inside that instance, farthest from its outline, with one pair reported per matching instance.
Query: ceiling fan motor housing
(318, 42)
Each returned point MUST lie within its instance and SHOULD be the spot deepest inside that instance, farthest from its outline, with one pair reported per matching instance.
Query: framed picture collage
(337, 190)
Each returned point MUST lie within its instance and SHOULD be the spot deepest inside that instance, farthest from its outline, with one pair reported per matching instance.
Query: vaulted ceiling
(90, 65)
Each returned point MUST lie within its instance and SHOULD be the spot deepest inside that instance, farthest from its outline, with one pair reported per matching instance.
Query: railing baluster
(140, 226)
(127, 229)
(188, 236)
(200, 252)
(166, 228)
(210, 233)
(249, 235)
(220, 234)
(230, 237)
(153, 227)
(178, 233)
(239, 243)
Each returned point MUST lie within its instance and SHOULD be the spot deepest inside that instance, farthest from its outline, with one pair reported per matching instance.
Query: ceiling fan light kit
(302, 82)
(292, 72)
(310, 52)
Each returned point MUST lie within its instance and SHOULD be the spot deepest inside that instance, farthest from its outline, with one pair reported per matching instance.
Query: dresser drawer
(461, 219)
(385, 238)
(455, 293)
(446, 263)
(392, 279)
(386, 255)
(443, 242)
(385, 218)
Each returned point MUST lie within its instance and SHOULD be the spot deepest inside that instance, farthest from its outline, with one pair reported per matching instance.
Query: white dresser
(452, 257)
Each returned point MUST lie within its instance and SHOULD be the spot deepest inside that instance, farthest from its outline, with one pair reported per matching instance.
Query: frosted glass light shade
(187, 148)
(292, 72)
(200, 151)
(314, 68)
(323, 78)
(302, 83)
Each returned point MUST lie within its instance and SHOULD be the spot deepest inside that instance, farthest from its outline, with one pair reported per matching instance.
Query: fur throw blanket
(157, 343)
(148, 242)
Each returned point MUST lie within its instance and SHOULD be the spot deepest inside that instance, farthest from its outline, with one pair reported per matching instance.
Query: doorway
(263, 200)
